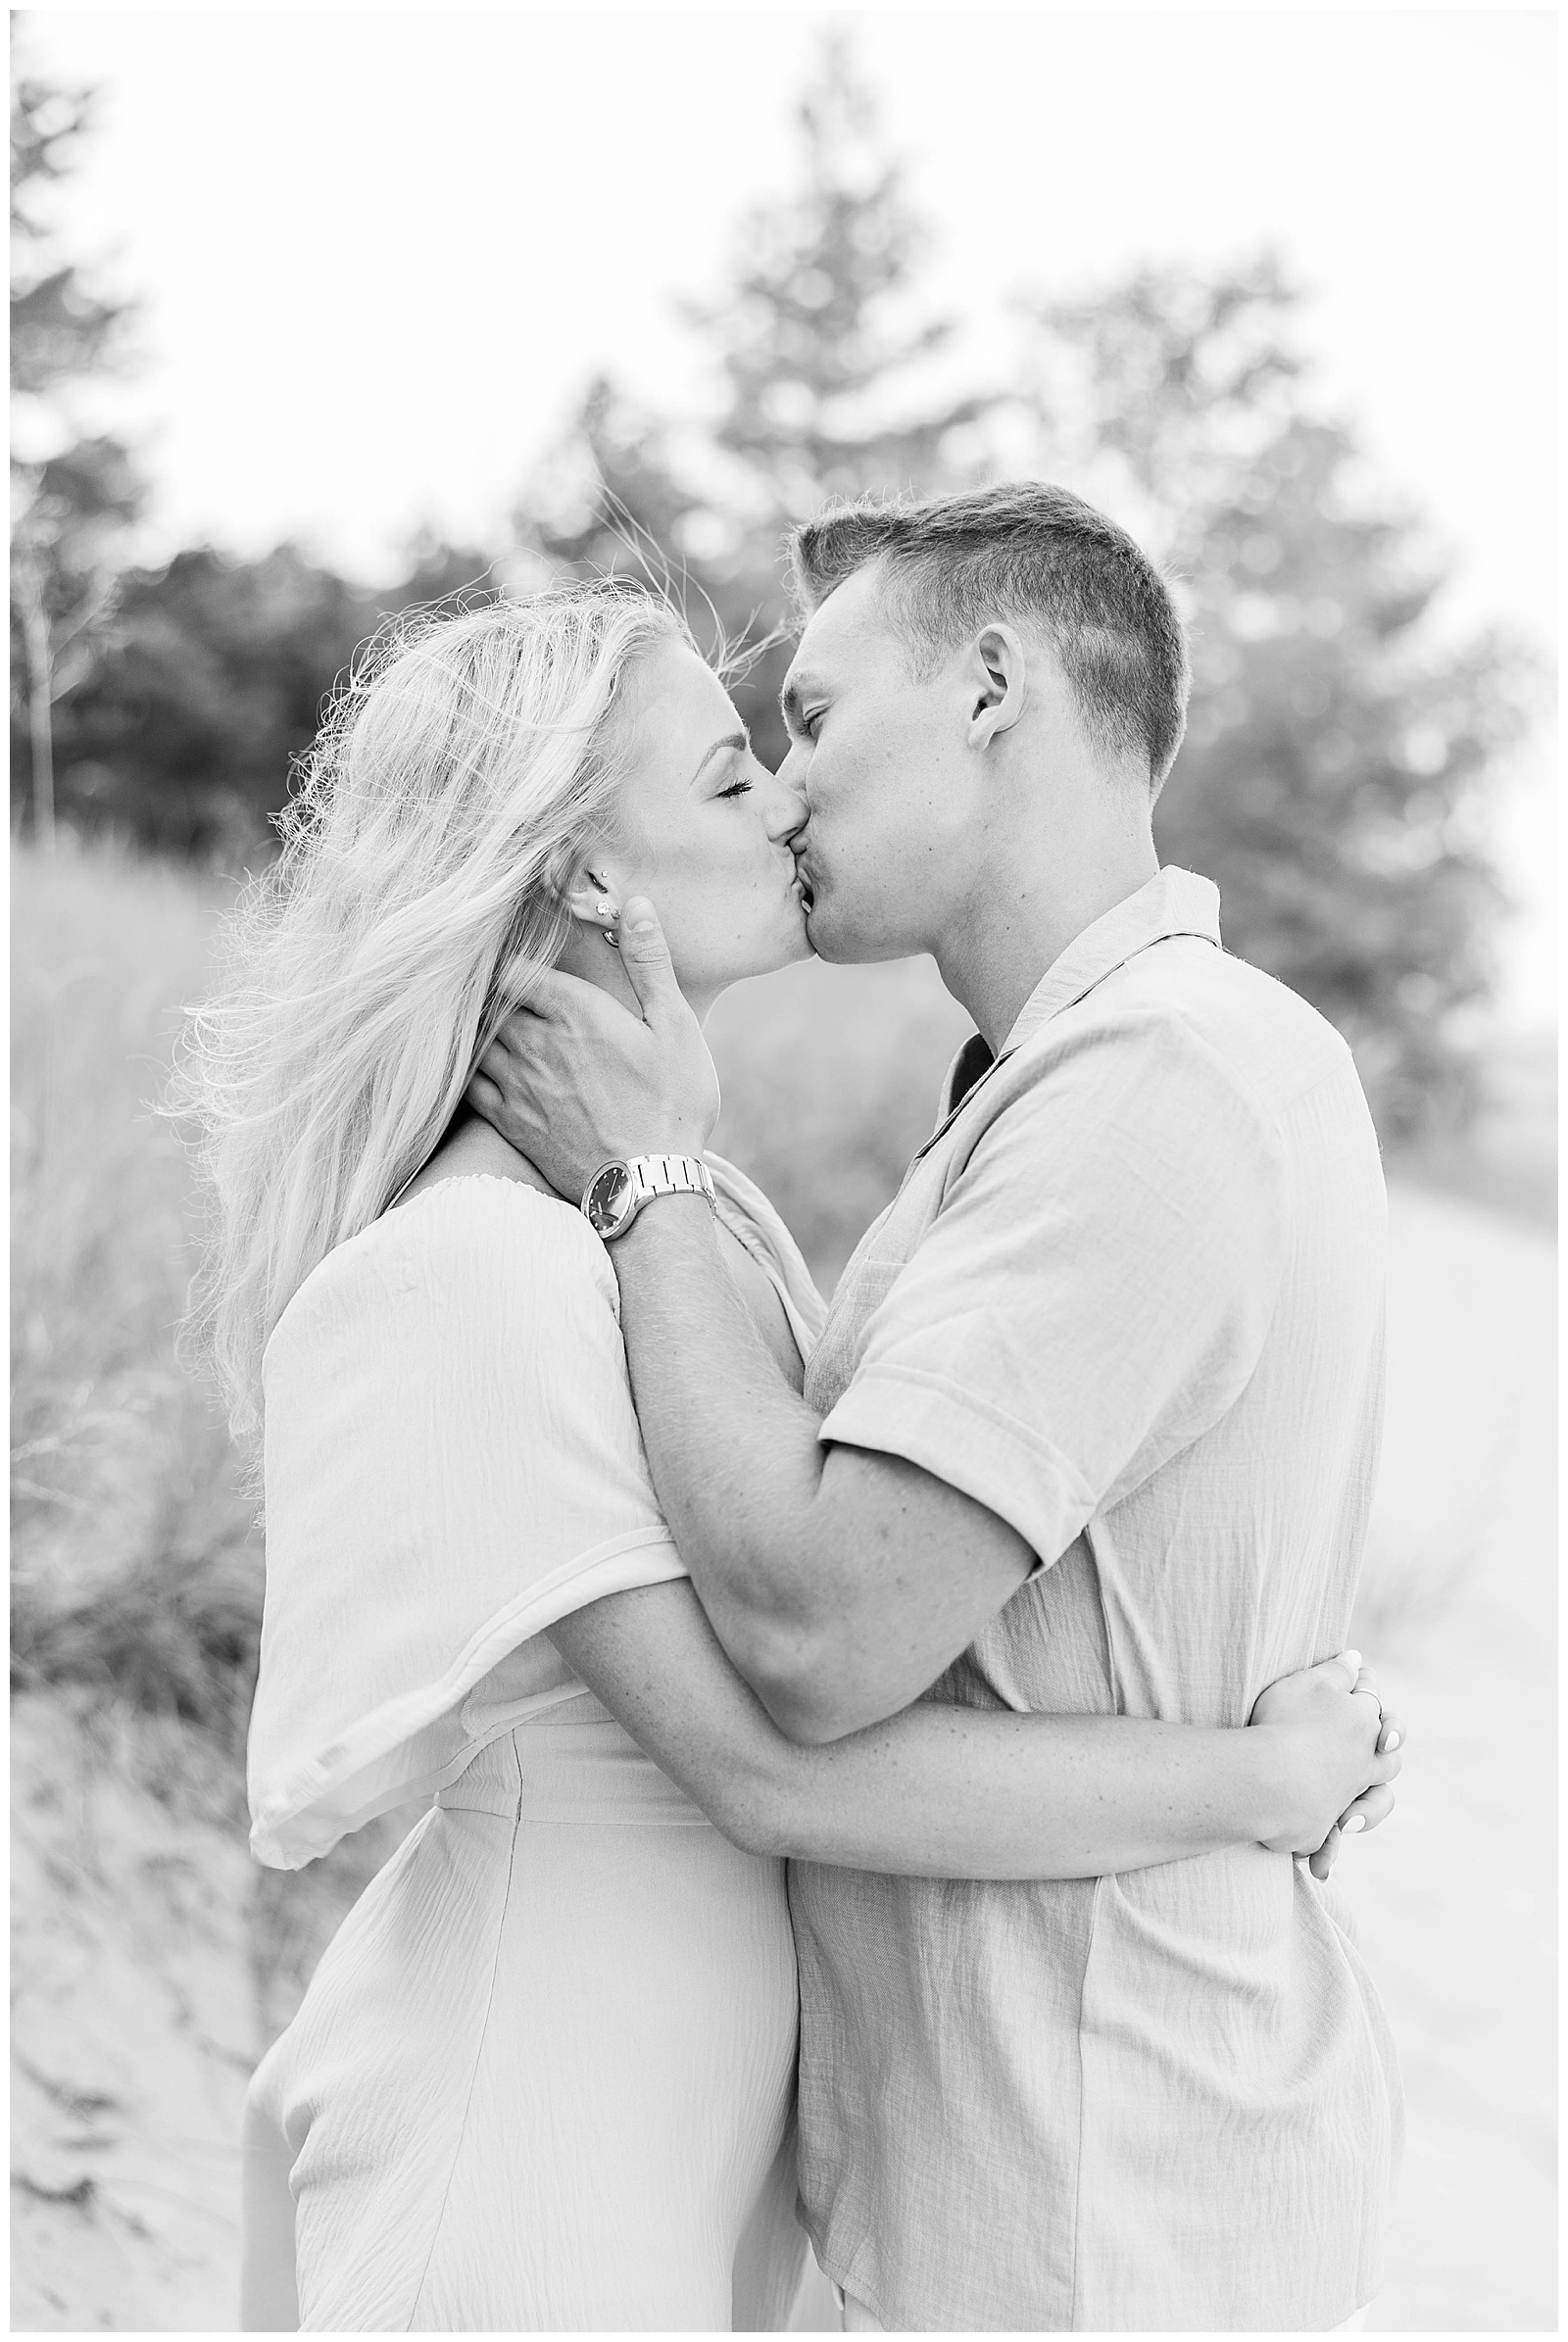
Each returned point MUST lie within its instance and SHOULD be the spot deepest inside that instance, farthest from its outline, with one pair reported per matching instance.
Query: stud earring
(603, 910)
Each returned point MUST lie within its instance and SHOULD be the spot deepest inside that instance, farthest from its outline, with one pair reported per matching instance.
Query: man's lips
(805, 885)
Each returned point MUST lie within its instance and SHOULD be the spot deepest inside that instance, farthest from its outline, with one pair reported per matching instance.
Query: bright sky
(378, 251)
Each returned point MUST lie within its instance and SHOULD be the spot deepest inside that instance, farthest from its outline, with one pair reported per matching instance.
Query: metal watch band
(668, 1175)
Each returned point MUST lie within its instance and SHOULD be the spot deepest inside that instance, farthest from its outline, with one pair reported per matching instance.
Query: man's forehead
(853, 617)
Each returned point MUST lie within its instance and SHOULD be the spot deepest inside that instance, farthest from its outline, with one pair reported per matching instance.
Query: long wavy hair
(437, 824)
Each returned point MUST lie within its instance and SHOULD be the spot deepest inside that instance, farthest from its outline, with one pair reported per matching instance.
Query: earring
(603, 910)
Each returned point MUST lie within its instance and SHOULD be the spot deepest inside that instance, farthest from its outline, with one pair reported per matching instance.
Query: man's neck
(1014, 928)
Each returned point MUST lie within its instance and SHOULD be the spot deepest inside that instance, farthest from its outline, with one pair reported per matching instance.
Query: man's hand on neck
(576, 1078)
(794, 1551)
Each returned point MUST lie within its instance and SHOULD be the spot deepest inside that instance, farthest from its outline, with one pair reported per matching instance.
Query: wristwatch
(617, 1191)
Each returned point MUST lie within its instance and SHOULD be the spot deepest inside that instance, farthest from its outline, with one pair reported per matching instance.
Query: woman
(543, 2076)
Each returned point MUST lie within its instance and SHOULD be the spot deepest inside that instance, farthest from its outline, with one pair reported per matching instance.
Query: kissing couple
(882, 1759)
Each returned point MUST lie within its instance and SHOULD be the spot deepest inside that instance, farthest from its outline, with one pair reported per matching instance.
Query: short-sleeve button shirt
(1129, 1298)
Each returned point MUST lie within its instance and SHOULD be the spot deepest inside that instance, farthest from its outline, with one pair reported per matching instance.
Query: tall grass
(135, 1565)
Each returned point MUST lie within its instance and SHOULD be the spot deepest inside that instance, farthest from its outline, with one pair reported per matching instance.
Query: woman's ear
(593, 898)
(999, 672)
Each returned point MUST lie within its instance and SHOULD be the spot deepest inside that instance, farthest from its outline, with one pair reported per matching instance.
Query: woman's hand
(1339, 1752)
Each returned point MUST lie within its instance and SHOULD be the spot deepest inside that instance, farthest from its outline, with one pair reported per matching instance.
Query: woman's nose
(784, 809)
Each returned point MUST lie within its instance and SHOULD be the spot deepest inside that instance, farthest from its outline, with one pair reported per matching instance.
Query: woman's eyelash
(736, 789)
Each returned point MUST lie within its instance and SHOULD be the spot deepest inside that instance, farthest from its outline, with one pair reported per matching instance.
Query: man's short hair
(1024, 551)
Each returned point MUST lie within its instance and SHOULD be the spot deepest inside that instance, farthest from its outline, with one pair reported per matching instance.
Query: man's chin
(842, 945)
(838, 939)
(827, 939)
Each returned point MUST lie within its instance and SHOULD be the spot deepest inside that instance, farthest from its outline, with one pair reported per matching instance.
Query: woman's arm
(976, 1793)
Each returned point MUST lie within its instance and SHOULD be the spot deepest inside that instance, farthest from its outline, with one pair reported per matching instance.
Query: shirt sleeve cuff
(975, 1448)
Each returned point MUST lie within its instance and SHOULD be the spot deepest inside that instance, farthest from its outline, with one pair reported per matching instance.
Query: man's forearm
(733, 1451)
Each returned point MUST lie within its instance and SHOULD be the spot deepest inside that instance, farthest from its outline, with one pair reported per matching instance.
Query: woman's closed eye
(736, 789)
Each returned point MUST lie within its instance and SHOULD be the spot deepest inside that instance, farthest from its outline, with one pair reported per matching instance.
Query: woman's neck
(589, 957)
(471, 1145)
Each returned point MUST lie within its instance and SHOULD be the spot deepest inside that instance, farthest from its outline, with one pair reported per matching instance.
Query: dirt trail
(1456, 1899)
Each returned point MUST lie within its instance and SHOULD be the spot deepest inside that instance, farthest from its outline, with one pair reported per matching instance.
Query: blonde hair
(439, 819)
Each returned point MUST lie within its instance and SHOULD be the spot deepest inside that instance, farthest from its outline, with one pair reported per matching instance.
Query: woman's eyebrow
(740, 740)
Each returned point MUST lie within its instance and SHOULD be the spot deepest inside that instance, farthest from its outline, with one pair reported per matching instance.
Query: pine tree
(1338, 744)
(826, 373)
(829, 385)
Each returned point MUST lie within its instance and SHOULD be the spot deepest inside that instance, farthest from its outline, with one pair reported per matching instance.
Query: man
(1092, 1426)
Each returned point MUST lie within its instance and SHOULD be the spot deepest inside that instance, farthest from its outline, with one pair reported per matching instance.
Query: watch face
(607, 1201)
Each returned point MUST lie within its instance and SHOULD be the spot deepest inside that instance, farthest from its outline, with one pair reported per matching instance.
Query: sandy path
(1456, 1898)
(132, 2028)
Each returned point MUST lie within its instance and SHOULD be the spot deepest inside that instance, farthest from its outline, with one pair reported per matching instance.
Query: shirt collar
(1174, 903)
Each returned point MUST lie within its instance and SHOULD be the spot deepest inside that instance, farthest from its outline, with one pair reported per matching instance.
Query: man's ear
(998, 674)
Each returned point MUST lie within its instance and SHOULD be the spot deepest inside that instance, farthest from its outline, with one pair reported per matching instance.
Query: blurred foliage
(214, 682)
(73, 493)
(1335, 774)
(1339, 743)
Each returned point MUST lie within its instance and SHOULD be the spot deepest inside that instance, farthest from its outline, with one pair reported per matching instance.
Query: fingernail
(1351, 1659)
(639, 918)
(1392, 1743)
(1355, 1821)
